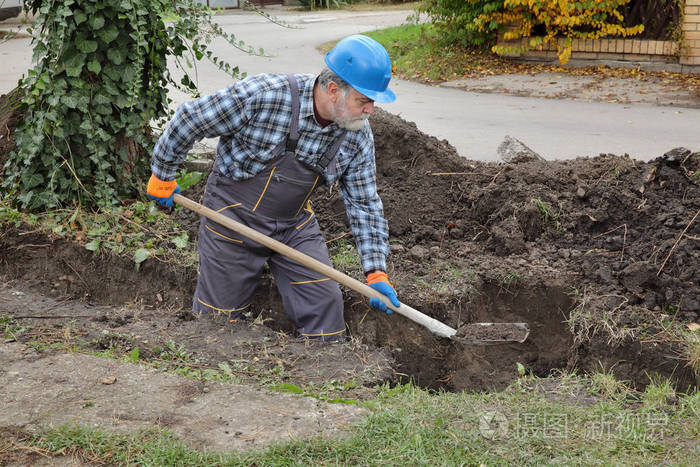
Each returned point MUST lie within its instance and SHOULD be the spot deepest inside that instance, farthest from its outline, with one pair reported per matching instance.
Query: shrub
(567, 19)
(457, 20)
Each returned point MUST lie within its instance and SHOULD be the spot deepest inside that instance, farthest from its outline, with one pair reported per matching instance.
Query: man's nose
(368, 108)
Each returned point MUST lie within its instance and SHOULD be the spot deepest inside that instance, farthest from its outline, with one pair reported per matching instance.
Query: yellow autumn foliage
(567, 19)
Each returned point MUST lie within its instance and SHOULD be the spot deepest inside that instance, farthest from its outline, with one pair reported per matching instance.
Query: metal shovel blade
(492, 333)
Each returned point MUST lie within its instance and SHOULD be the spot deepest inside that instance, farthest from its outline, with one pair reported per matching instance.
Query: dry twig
(624, 238)
(677, 241)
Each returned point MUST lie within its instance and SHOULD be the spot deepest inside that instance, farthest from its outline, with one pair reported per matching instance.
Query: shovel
(474, 334)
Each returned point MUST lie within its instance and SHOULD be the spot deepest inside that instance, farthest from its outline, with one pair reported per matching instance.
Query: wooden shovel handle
(433, 325)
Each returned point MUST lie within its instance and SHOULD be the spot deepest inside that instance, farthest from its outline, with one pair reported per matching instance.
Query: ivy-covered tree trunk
(86, 97)
(99, 80)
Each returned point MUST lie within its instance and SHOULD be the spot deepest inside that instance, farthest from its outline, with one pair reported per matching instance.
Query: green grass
(411, 426)
(417, 53)
(344, 255)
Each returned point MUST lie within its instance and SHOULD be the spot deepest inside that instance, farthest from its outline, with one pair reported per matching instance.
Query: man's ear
(334, 93)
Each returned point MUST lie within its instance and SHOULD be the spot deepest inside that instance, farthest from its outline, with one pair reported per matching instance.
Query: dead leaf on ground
(108, 380)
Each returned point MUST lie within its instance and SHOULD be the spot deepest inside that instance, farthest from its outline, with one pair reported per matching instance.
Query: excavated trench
(62, 269)
(437, 363)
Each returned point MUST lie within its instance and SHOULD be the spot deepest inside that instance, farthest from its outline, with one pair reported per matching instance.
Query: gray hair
(326, 76)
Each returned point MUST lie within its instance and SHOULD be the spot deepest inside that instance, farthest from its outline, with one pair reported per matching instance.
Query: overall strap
(293, 136)
(331, 152)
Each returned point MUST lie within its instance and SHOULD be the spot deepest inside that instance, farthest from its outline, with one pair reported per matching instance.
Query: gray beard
(352, 124)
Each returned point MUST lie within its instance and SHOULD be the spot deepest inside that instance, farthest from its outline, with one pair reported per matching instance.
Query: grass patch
(418, 54)
(344, 256)
(411, 426)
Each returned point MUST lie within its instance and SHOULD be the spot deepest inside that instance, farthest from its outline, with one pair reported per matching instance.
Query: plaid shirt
(253, 116)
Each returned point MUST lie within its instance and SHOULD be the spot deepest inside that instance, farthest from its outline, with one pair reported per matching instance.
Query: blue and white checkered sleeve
(365, 211)
(214, 115)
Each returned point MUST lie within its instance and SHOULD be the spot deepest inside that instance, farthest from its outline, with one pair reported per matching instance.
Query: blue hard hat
(364, 64)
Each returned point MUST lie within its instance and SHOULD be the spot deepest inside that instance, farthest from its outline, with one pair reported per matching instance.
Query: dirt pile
(595, 254)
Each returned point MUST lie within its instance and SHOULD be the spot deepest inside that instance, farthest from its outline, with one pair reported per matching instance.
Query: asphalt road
(475, 123)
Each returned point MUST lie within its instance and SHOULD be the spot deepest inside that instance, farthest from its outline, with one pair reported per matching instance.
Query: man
(280, 136)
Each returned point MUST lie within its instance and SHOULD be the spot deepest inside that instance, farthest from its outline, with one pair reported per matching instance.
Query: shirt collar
(306, 104)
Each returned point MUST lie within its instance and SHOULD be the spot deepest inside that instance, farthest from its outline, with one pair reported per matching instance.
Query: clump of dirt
(594, 254)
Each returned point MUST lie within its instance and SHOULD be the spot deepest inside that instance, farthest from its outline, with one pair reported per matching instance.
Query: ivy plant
(98, 82)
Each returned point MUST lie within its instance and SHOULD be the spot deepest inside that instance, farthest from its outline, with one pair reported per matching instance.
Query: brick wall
(691, 29)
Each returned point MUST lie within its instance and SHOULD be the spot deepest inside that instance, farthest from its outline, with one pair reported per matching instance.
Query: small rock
(677, 154)
(434, 251)
(514, 151)
(605, 274)
(205, 390)
(397, 248)
(456, 233)
(108, 380)
(564, 253)
(418, 252)
(581, 192)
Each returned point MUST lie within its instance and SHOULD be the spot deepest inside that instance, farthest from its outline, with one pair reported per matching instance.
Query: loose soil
(599, 256)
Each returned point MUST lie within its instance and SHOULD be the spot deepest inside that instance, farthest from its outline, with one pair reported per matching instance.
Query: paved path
(475, 123)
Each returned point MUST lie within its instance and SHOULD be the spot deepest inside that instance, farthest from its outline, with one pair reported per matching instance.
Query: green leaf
(108, 34)
(189, 179)
(74, 64)
(141, 255)
(116, 56)
(69, 101)
(96, 22)
(79, 16)
(85, 45)
(94, 66)
(181, 240)
(226, 369)
(32, 180)
(93, 245)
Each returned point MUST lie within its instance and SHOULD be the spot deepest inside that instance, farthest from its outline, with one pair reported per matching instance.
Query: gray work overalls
(275, 202)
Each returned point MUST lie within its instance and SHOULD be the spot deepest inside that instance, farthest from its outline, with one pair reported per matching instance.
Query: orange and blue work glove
(379, 281)
(162, 192)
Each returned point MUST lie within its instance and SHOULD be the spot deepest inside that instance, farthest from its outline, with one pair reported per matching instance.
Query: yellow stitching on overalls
(310, 282)
(265, 189)
(221, 235)
(309, 210)
(323, 333)
(221, 309)
(307, 197)
(229, 206)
